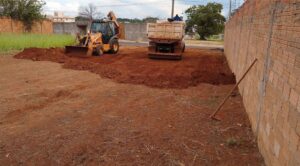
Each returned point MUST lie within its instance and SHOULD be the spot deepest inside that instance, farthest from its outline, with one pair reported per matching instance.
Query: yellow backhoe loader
(102, 37)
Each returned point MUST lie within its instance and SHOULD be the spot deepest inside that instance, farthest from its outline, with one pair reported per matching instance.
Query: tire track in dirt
(50, 98)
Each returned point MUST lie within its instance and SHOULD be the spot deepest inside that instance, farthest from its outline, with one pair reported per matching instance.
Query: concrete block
(293, 141)
(292, 81)
(275, 80)
(268, 128)
(298, 128)
(298, 85)
(284, 155)
(293, 117)
(294, 98)
(298, 107)
(271, 76)
(276, 148)
(295, 158)
(286, 91)
(280, 86)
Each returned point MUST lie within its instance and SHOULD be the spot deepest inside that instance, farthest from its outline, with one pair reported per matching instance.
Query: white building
(60, 17)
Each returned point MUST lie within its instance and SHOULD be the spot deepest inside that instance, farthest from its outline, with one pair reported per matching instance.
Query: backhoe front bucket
(77, 50)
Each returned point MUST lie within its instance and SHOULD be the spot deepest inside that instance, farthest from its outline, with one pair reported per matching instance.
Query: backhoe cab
(102, 37)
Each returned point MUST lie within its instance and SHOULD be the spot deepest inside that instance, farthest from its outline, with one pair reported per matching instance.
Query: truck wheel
(99, 51)
(115, 47)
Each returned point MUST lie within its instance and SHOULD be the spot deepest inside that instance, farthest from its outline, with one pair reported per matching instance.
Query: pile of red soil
(132, 65)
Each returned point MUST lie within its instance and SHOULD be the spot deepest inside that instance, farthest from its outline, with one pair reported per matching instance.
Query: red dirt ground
(54, 116)
(132, 65)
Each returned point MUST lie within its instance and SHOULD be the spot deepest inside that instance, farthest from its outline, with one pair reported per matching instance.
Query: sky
(131, 8)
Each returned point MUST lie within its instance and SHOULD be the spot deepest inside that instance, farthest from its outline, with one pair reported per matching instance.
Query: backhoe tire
(98, 51)
(114, 47)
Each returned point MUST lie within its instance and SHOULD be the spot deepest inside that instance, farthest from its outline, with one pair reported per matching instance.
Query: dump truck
(166, 39)
(102, 37)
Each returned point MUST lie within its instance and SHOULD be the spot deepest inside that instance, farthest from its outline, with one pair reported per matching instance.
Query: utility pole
(173, 5)
(230, 5)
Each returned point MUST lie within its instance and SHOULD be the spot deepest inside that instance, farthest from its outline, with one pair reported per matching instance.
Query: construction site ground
(121, 109)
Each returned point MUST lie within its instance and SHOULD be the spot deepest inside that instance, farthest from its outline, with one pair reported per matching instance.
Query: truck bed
(166, 30)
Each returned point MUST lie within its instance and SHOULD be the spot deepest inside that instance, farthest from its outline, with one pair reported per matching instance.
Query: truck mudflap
(170, 56)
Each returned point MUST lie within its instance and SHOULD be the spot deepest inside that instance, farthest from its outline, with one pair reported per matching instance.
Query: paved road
(145, 44)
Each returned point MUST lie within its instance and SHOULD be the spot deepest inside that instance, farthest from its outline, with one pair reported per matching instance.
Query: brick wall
(8, 25)
(269, 30)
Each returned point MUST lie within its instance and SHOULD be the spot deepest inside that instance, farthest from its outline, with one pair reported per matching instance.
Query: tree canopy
(206, 20)
(26, 11)
(150, 19)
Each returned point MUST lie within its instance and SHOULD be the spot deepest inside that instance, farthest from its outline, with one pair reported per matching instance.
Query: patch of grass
(204, 42)
(214, 38)
(231, 142)
(9, 53)
(9, 42)
(211, 102)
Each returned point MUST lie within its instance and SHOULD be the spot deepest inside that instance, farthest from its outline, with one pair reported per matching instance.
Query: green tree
(205, 19)
(129, 20)
(136, 20)
(150, 19)
(27, 11)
